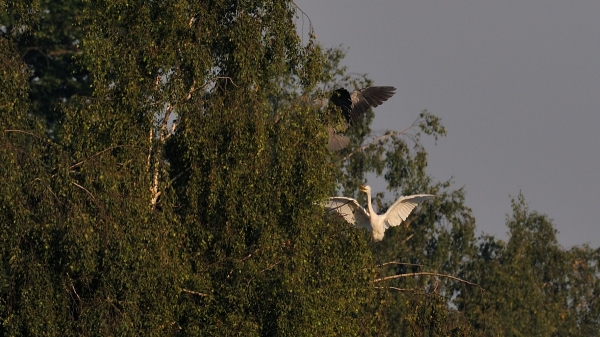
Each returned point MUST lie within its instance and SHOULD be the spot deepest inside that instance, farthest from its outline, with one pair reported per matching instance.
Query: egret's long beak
(362, 188)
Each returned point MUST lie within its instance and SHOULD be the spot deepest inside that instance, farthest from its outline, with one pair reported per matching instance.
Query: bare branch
(399, 263)
(83, 188)
(425, 273)
(222, 78)
(192, 89)
(178, 176)
(97, 154)
(271, 266)
(210, 81)
(267, 268)
(396, 288)
(111, 302)
(408, 238)
(193, 292)
(49, 189)
(382, 137)
(73, 287)
(27, 133)
(308, 17)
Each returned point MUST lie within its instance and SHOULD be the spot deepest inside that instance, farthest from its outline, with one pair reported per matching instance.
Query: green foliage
(533, 286)
(47, 35)
(122, 227)
(111, 223)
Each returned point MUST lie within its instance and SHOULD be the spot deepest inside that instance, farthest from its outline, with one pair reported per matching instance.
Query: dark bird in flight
(352, 107)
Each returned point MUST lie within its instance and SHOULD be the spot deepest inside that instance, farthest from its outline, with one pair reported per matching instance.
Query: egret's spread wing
(362, 218)
(349, 209)
(365, 98)
(344, 207)
(400, 210)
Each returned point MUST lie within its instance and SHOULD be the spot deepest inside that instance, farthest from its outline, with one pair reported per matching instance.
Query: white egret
(353, 213)
(352, 107)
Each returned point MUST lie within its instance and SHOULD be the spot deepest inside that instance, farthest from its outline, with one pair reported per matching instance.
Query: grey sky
(516, 83)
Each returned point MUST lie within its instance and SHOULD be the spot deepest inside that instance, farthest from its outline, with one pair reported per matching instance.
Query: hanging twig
(83, 188)
(73, 287)
(49, 189)
(311, 30)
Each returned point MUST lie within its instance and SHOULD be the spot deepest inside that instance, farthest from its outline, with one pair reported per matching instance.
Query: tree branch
(399, 263)
(382, 137)
(49, 189)
(426, 273)
(97, 154)
(308, 17)
(395, 288)
(194, 292)
(83, 188)
(27, 133)
(408, 238)
(73, 287)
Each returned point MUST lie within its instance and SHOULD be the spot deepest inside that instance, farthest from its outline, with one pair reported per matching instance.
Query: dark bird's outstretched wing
(355, 104)
(336, 141)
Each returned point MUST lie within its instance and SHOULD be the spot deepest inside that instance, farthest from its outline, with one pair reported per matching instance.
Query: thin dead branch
(73, 287)
(27, 133)
(428, 274)
(399, 263)
(97, 154)
(193, 292)
(408, 238)
(265, 269)
(436, 285)
(396, 288)
(311, 31)
(210, 81)
(271, 266)
(49, 189)
(83, 188)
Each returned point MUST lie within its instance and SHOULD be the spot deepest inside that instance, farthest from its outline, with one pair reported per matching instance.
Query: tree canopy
(164, 171)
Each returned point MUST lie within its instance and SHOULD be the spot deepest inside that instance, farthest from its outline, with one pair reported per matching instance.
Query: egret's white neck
(369, 205)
